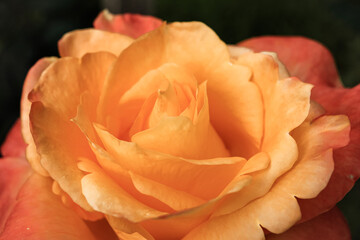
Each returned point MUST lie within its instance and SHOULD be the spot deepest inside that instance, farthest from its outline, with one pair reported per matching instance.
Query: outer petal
(31, 199)
(305, 58)
(133, 25)
(330, 225)
(313, 63)
(14, 145)
(347, 160)
(31, 80)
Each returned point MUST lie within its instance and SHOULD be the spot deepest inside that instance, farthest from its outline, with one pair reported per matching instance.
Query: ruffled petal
(313, 63)
(347, 161)
(286, 105)
(278, 209)
(79, 42)
(27, 197)
(58, 151)
(31, 80)
(133, 25)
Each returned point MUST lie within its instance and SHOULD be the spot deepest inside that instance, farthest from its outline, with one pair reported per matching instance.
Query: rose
(125, 191)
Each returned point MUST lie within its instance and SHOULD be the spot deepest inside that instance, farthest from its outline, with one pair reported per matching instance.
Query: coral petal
(304, 58)
(32, 198)
(14, 145)
(133, 25)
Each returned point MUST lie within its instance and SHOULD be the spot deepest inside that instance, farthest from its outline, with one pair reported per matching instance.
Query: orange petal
(94, 69)
(79, 42)
(59, 148)
(177, 200)
(133, 25)
(31, 80)
(168, 169)
(286, 104)
(31, 198)
(55, 84)
(179, 136)
(104, 195)
(347, 164)
(161, 46)
(128, 230)
(122, 177)
(236, 108)
(278, 209)
(153, 81)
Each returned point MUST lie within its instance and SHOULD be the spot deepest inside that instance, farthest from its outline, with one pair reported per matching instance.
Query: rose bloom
(148, 130)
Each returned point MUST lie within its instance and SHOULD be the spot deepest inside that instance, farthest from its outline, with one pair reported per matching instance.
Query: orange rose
(172, 135)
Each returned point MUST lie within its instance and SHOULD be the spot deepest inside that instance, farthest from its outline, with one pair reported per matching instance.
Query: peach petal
(94, 69)
(128, 230)
(104, 195)
(131, 65)
(86, 115)
(287, 99)
(66, 200)
(278, 209)
(31, 80)
(132, 102)
(14, 145)
(347, 171)
(168, 169)
(133, 25)
(313, 63)
(79, 42)
(59, 152)
(298, 55)
(239, 123)
(166, 104)
(291, 104)
(179, 136)
(55, 84)
(258, 162)
(31, 198)
(330, 225)
(177, 200)
(306, 59)
(177, 225)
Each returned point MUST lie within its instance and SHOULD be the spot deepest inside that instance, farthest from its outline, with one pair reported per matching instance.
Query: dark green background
(29, 30)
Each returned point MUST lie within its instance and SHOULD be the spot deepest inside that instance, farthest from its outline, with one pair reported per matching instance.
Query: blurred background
(30, 29)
